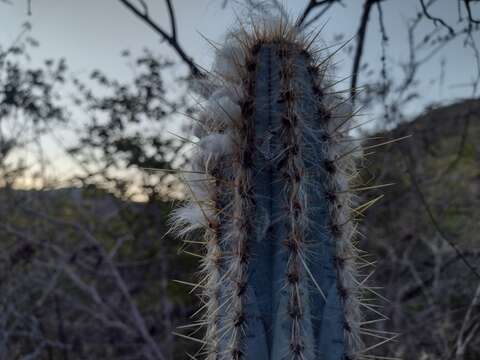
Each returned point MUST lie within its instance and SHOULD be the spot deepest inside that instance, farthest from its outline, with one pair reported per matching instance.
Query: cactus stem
(274, 196)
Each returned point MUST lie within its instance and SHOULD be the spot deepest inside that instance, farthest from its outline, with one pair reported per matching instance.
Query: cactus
(270, 186)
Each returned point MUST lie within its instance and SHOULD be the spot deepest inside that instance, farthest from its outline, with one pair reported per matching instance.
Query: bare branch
(469, 12)
(144, 6)
(361, 33)
(171, 39)
(310, 7)
(435, 20)
(173, 23)
(383, 61)
(318, 16)
(469, 327)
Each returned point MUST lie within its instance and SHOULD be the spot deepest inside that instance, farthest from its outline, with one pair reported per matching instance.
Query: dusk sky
(92, 33)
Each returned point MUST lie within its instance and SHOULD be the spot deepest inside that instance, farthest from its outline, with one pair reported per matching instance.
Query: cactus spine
(270, 187)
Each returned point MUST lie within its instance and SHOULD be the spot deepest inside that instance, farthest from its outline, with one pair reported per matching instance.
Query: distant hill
(435, 200)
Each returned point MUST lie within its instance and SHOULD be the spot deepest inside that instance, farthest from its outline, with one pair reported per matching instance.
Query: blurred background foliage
(87, 264)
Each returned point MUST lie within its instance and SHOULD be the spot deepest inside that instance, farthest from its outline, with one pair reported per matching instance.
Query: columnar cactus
(269, 185)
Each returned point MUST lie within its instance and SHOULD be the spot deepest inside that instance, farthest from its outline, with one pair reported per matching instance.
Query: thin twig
(171, 39)
(310, 7)
(173, 22)
(469, 12)
(361, 33)
(435, 20)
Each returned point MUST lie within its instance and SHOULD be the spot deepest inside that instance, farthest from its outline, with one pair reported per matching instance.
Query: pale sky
(92, 33)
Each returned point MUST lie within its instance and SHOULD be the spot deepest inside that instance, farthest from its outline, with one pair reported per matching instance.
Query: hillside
(433, 204)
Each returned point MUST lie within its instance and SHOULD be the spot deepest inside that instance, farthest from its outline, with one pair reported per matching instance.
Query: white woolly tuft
(219, 112)
(216, 144)
(190, 218)
(199, 185)
(228, 59)
(223, 110)
(203, 87)
(211, 149)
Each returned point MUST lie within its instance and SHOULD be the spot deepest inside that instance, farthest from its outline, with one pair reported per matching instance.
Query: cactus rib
(271, 190)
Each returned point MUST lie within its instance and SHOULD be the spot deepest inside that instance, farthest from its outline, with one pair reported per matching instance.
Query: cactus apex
(271, 188)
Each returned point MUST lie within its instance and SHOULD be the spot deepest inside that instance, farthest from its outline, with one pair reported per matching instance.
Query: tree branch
(361, 33)
(435, 19)
(173, 23)
(310, 7)
(318, 15)
(171, 39)
(469, 12)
